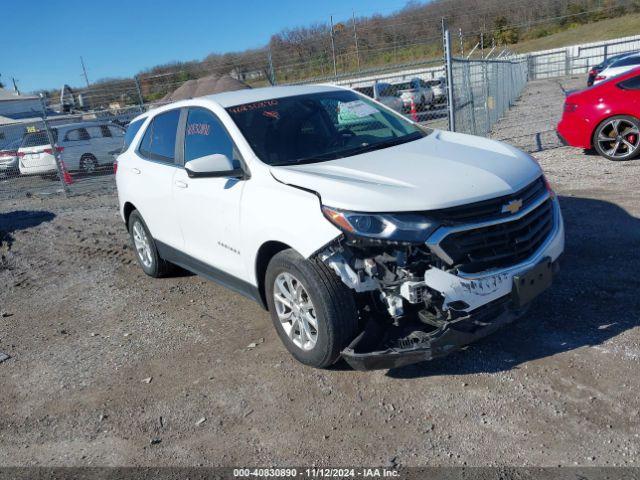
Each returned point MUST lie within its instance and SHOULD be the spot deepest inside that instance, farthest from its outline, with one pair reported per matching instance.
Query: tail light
(20, 154)
(599, 78)
(570, 107)
(8, 153)
(115, 166)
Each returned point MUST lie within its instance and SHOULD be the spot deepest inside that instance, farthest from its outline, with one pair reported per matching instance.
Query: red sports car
(605, 117)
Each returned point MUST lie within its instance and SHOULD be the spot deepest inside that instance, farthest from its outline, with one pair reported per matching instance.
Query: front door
(208, 209)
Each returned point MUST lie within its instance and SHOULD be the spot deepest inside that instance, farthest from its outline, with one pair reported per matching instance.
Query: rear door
(76, 142)
(209, 208)
(150, 170)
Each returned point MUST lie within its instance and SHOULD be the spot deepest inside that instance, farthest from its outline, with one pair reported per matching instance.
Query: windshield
(318, 127)
(405, 86)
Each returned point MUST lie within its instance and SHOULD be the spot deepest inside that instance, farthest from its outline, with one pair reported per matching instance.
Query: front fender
(285, 214)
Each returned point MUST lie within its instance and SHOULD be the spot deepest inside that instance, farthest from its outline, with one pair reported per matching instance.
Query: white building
(16, 106)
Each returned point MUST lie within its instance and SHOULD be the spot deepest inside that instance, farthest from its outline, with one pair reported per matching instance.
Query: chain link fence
(69, 145)
(483, 90)
(69, 153)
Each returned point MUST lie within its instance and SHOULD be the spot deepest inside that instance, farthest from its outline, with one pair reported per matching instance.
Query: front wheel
(618, 138)
(313, 312)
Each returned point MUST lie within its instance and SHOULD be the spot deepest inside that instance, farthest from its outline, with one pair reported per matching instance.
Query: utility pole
(355, 36)
(272, 72)
(15, 85)
(84, 71)
(461, 42)
(333, 50)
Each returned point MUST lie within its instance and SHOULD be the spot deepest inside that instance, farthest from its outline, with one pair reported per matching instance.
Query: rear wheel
(618, 138)
(145, 248)
(88, 164)
(313, 312)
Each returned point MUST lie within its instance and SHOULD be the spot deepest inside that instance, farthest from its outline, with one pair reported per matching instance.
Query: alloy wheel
(619, 138)
(141, 242)
(295, 311)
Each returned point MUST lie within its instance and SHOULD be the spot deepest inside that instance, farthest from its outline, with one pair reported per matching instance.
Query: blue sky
(118, 38)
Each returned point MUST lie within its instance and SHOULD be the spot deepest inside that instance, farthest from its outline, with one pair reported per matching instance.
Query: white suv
(364, 234)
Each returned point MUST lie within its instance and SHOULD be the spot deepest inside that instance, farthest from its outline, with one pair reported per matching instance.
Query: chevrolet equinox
(365, 235)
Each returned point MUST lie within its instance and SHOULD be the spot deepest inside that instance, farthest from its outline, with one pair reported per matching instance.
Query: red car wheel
(618, 138)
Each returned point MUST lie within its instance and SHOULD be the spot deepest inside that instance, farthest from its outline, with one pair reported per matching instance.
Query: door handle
(136, 171)
(181, 184)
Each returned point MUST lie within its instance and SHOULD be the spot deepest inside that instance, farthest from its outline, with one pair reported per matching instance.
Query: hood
(442, 170)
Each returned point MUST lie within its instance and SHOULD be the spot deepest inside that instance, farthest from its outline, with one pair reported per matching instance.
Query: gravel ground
(110, 367)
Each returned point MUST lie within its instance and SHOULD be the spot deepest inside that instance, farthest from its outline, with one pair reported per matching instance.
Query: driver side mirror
(216, 165)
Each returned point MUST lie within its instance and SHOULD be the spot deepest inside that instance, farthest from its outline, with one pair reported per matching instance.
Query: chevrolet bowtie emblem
(512, 207)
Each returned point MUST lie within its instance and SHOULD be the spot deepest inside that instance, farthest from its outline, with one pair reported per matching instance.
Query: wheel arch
(265, 253)
(606, 119)
(127, 208)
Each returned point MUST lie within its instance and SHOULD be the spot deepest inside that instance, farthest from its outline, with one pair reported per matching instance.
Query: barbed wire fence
(461, 81)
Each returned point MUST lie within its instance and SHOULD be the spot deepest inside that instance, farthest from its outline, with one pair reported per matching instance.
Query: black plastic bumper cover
(444, 341)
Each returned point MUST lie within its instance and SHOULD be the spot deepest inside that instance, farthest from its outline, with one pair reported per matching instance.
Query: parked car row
(612, 66)
(415, 94)
(85, 147)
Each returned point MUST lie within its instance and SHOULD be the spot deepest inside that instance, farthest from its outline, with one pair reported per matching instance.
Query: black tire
(89, 164)
(333, 302)
(604, 128)
(158, 267)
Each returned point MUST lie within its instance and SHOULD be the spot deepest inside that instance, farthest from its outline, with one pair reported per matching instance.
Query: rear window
(38, 139)
(132, 129)
(625, 62)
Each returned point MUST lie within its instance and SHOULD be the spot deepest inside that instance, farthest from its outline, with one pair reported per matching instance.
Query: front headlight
(394, 227)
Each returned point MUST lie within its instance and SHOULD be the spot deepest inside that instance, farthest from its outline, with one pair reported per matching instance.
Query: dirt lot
(110, 367)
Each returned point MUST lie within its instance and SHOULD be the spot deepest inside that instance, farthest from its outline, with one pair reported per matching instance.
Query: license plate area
(532, 283)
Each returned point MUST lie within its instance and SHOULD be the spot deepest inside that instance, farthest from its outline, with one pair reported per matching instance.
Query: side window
(77, 134)
(115, 132)
(94, 133)
(159, 141)
(632, 83)
(205, 135)
(132, 129)
(105, 131)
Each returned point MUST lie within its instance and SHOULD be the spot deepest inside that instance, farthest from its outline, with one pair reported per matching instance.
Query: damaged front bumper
(362, 353)
(480, 304)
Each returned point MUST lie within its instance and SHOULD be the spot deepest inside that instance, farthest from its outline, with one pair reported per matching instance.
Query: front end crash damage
(414, 307)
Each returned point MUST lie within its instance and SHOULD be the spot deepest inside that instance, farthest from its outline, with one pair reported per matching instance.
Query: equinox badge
(512, 207)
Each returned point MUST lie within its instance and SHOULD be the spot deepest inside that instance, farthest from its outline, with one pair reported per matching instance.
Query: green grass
(591, 32)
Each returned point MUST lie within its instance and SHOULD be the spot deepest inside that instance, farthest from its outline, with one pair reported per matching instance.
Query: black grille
(502, 244)
(490, 209)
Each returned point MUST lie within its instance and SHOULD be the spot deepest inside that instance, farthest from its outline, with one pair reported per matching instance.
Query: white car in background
(364, 234)
(35, 155)
(84, 146)
(384, 93)
(9, 157)
(618, 67)
(439, 89)
(88, 147)
(415, 92)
